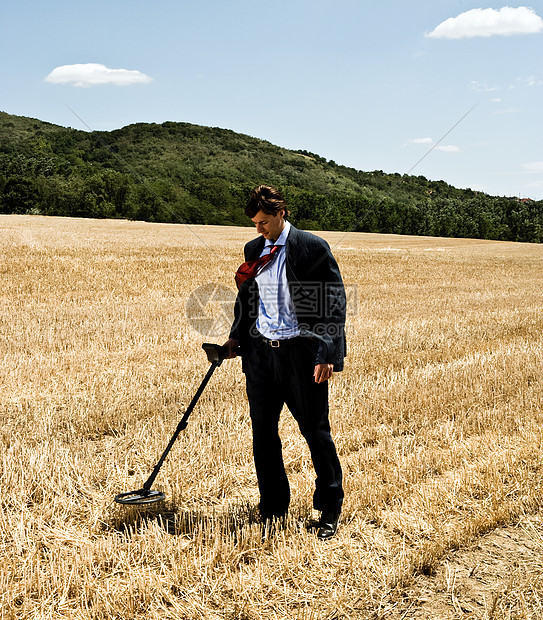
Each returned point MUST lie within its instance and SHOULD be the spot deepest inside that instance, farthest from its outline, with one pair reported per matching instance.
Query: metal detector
(215, 354)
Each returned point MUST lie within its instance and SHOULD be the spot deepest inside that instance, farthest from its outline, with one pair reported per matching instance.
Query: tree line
(178, 172)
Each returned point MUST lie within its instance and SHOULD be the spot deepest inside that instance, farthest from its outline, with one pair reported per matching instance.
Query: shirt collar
(282, 239)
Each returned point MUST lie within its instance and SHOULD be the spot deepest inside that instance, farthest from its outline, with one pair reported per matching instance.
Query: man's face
(269, 226)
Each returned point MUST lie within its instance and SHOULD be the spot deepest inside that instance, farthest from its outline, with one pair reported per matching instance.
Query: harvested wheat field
(438, 420)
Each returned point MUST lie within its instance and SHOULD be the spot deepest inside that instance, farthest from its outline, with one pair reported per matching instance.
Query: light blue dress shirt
(276, 315)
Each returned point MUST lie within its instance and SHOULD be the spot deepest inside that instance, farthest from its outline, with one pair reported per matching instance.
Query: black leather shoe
(328, 524)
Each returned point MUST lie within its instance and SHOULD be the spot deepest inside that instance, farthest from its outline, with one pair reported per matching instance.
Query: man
(289, 326)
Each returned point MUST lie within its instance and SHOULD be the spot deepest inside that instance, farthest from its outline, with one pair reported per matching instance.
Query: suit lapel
(292, 249)
(254, 250)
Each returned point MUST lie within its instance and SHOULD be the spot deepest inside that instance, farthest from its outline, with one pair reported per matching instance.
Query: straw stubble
(437, 419)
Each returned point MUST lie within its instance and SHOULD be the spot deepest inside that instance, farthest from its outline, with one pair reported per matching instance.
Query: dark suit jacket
(317, 292)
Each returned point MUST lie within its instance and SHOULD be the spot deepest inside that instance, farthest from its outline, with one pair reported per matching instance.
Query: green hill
(178, 172)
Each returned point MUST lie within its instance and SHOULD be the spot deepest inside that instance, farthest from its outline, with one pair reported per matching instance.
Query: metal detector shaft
(215, 354)
(182, 425)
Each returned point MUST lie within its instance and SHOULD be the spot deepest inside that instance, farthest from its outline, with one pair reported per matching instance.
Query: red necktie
(251, 268)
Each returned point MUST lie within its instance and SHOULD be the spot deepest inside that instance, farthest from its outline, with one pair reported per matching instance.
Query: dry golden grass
(438, 419)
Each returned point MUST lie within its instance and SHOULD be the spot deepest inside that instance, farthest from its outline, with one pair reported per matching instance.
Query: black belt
(275, 344)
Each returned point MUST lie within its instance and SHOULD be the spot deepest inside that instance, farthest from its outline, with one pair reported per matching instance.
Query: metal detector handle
(215, 354)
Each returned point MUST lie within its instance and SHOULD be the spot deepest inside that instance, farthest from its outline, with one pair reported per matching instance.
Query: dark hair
(265, 198)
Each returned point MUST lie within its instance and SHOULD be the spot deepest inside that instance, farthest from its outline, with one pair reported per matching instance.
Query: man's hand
(231, 345)
(323, 372)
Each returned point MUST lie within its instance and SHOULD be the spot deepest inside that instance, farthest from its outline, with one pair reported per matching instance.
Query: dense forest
(178, 172)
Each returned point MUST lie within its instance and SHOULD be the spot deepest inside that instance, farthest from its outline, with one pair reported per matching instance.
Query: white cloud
(529, 81)
(421, 141)
(448, 148)
(509, 110)
(489, 22)
(482, 87)
(91, 74)
(534, 166)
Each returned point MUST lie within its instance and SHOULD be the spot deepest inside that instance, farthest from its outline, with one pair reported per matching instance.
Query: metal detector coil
(140, 497)
(215, 355)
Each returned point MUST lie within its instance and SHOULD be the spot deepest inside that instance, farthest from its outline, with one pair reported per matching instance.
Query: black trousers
(284, 375)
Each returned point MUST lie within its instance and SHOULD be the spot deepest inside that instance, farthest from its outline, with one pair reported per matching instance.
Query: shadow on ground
(177, 521)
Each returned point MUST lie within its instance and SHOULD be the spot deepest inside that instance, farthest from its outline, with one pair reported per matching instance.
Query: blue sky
(374, 86)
